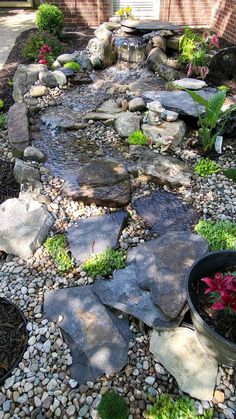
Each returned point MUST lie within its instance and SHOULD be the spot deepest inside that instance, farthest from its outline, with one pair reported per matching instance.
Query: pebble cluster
(41, 385)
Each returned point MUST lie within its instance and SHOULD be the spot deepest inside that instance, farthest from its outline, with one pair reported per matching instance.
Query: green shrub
(137, 138)
(3, 121)
(205, 167)
(183, 408)
(50, 18)
(230, 173)
(36, 41)
(1, 104)
(113, 406)
(103, 264)
(221, 235)
(57, 248)
(72, 65)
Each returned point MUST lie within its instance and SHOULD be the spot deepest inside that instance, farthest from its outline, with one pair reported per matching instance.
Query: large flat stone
(63, 118)
(110, 106)
(94, 235)
(24, 226)
(164, 211)
(97, 338)
(154, 84)
(18, 128)
(163, 170)
(180, 352)
(188, 83)
(179, 101)
(148, 25)
(173, 131)
(162, 264)
(104, 182)
(124, 293)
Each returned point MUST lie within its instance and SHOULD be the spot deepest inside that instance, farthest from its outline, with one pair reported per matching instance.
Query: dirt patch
(8, 186)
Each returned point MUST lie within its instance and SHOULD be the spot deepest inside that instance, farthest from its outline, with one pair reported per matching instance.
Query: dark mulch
(8, 186)
(72, 41)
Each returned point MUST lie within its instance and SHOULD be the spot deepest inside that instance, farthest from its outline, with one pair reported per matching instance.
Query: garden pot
(216, 345)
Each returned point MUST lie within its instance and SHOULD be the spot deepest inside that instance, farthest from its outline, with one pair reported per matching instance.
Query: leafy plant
(137, 138)
(46, 56)
(183, 408)
(205, 167)
(222, 290)
(124, 12)
(223, 88)
(113, 406)
(213, 122)
(57, 248)
(103, 264)
(1, 103)
(3, 121)
(36, 41)
(72, 65)
(220, 235)
(230, 173)
(50, 18)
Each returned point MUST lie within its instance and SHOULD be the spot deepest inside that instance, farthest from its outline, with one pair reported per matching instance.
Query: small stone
(31, 340)
(84, 410)
(9, 382)
(6, 406)
(150, 380)
(219, 396)
(145, 365)
(137, 104)
(73, 383)
(38, 91)
(71, 410)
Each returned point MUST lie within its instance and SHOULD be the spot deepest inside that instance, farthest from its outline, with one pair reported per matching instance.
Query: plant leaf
(213, 110)
(198, 98)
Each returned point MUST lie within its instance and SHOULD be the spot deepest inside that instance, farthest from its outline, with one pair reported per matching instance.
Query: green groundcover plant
(72, 65)
(50, 18)
(137, 138)
(205, 167)
(57, 248)
(37, 41)
(221, 235)
(230, 173)
(103, 264)
(183, 408)
(113, 406)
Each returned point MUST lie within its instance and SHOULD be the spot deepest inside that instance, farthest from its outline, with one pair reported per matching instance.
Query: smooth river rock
(191, 84)
(126, 123)
(173, 131)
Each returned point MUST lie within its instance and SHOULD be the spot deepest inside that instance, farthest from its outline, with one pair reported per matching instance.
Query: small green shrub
(137, 138)
(113, 406)
(57, 248)
(230, 173)
(72, 65)
(183, 408)
(3, 121)
(37, 41)
(205, 167)
(1, 104)
(103, 264)
(50, 18)
(221, 235)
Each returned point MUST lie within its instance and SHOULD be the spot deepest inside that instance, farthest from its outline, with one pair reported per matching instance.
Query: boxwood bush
(50, 18)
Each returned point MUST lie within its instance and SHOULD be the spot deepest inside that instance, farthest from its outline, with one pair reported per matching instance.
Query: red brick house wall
(224, 20)
(187, 12)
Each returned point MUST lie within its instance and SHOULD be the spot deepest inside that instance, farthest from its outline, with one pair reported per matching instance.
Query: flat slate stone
(191, 84)
(173, 131)
(24, 226)
(100, 116)
(179, 101)
(97, 338)
(148, 25)
(180, 352)
(162, 264)
(63, 118)
(110, 106)
(164, 211)
(104, 182)
(18, 127)
(124, 293)
(154, 84)
(94, 235)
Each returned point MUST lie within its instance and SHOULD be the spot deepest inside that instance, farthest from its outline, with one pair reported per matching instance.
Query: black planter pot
(216, 345)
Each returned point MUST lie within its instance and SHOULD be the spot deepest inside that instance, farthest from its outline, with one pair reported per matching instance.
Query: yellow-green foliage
(221, 235)
(103, 264)
(57, 248)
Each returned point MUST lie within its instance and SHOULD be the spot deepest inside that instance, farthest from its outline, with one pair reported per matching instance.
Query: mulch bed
(9, 188)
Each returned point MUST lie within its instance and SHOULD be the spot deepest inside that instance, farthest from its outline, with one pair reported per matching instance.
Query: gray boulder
(33, 153)
(48, 79)
(173, 42)
(173, 131)
(18, 128)
(137, 104)
(24, 172)
(126, 123)
(103, 33)
(102, 53)
(60, 77)
(167, 72)
(84, 61)
(62, 117)
(24, 78)
(155, 58)
(24, 226)
(109, 107)
(66, 58)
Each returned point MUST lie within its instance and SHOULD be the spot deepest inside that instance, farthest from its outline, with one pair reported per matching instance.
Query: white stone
(191, 84)
(9, 382)
(155, 106)
(32, 340)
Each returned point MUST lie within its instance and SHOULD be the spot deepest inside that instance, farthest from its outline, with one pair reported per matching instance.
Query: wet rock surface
(18, 127)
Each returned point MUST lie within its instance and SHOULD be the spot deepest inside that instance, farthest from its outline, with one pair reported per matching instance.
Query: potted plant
(211, 295)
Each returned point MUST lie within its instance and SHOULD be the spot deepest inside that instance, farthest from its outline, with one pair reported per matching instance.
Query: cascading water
(131, 49)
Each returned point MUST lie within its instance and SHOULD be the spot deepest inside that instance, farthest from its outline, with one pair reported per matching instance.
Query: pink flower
(228, 300)
(43, 61)
(204, 70)
(215, 40)
(190, 70)
(45, 49)
(220, 283)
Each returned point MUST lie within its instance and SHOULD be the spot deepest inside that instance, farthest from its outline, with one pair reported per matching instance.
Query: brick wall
(187, 12)
(224, 20)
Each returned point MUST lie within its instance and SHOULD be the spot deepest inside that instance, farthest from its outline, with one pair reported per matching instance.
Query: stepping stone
(64, 118)
(161, 267)
(124, 293)
(97, 338)
(191, 84)
(173, 131)
(81, 78)
(147, 25)
(18, 128)
(154, 84)
(126, 123)
(103, 182)
(180, 352)
(164, 211)
(94, 235)
(110, 106)
(24, 226)
(99, 116)
(179, 101)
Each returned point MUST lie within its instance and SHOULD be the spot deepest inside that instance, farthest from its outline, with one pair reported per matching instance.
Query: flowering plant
(45, 55)
(222, 289)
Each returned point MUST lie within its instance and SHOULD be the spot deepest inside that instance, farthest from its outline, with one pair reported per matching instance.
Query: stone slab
(97, 338)
(148, 25)
(110, 106)
(63, 118)
(189, 83)
(154, 84)
(180, 352)
(162, 264)
(18, 127)
(94, 235)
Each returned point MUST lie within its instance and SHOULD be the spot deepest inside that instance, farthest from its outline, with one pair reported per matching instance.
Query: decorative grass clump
(57, 248)
(137, 138)
(113, 406)
(72, 65)
(103, 264)
(221, 235)
(205, 167)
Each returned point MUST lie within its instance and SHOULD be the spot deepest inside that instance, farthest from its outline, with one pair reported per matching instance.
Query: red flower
(219, 283)
(215, 41)
(43, 61)
(45, 49)
(228, 300)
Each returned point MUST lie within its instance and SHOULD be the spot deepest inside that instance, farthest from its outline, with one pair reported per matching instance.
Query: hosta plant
(222, 292)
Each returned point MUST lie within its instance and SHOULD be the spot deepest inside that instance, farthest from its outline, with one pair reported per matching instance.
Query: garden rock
(60, 77)
(62, 117)
(48, 79)
(137, 105)
(191, 84)
(159, 41)
(126, 123)
(67, 72)
(97, 338)
(81, 78)
(165, 70)
(100, 116)
(102, 53)
(66, 58)
(180, 352)
(103, 33)
(109, 107)
(148, 25)
(164, 211)
(24, 172)
(94, 235)
(173, 131)
(24, 78)
(38, 91)
(173, 42)
(154, 84)
(124, 293)
(33, 153)
(169, 116)
(104, 182)
(155, 57)
(84, 61)
(162, 264)
(24, 226)
(18, 127)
